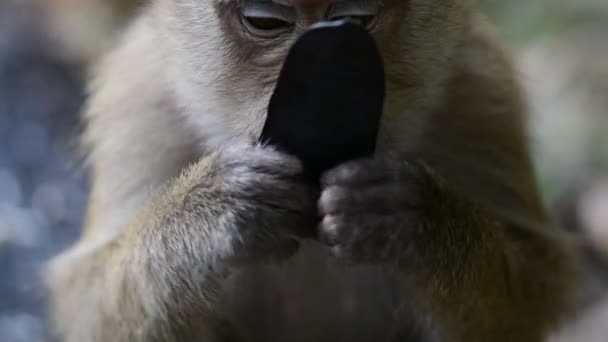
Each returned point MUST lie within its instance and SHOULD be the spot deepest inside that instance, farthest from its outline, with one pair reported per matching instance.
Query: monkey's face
(224, 56)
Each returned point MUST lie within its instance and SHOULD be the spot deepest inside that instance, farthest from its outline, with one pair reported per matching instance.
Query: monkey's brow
(304, 3)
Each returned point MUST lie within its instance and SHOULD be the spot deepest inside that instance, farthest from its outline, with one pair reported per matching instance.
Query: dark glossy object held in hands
(328, 102)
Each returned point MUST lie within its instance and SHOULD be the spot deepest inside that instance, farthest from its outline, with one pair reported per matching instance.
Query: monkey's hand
(263, 205)
(376, 211)
(479, 276)
(161, 278)
(373, 211)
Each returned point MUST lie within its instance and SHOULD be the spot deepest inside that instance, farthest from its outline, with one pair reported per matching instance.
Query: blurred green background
(46, 46)
(562, 51)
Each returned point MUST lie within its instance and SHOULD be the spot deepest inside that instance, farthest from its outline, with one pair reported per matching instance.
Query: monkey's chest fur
(314, 298)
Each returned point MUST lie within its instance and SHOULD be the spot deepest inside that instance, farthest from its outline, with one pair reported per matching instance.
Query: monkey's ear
(328, 101)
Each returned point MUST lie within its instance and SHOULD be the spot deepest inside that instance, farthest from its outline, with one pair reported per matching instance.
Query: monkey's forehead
(302, 3)
(319, 3)
(312, 3)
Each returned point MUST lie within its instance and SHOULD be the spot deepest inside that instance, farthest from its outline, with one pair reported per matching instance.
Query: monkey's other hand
(374, 210)
(264, 203)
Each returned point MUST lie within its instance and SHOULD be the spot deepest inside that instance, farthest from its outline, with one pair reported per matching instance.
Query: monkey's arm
(160, 279)
(123, 290)
(480, 276)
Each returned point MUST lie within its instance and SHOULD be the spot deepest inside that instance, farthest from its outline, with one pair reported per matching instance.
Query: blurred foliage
(563, 56)
(523, 21)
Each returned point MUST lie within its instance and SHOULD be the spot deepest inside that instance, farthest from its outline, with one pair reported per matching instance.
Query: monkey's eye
(267, 19)
(362, 12)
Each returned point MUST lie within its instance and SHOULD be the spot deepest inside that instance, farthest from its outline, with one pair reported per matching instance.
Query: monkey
(195, 231)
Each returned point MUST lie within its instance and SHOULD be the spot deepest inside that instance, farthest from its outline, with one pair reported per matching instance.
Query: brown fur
(179, 226)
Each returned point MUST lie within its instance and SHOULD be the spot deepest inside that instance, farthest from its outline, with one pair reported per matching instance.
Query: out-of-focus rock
(41, 198)
(590, 327)
(11, 193)
(566, 75)
(593, 209)
(84, 29)
(21, 328)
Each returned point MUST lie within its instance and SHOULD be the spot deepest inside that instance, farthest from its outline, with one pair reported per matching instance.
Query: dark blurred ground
(46, 45)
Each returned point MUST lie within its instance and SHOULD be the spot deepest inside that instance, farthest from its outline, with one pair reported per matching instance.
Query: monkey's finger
(366, 238)
(331, 230)
(346, 229)
(360, 171)
(369, 171)
(382, 198)
(287, 195)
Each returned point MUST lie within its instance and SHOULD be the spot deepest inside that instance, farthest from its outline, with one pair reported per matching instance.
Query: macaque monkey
(197, 232)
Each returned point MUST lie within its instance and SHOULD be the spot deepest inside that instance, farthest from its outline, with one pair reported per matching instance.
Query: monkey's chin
(216, 140)
(219, 124)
